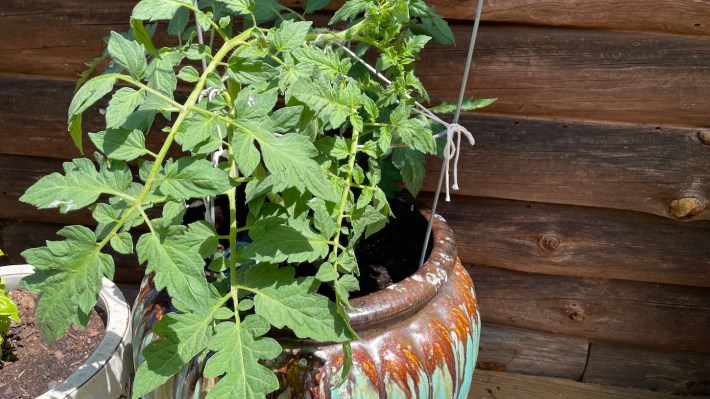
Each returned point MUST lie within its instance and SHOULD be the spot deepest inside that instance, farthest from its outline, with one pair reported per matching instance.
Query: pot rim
(118, 332)
(408, 296)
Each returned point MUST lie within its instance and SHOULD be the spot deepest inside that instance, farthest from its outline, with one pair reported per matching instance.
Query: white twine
(451, 150)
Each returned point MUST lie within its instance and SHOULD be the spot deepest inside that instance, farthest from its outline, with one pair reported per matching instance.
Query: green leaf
(156, 10)
(68, 278)
(276, 240)
(191, 177)
(287, 118)
(129, 54)
(368, 216)
(330, 104)
(315, 5)
(201, 133)
(81, 185)
(350, 9)
(246, 153)
(415, 133)
(288, 302)
(437, 28)
(121, 144)
(178, 22)
(469, 104)
(162, 361)
(142, 35)
(327, 272)
(411, 166)
(250, 71)
(177, 267)
(237, 355)
(289, 159)
(324, 58)
(121, 105)
(290, 35)
(241, 7)
(414, 44)
(122, 243)
(161, 74)
(91, 92)
(189, 74)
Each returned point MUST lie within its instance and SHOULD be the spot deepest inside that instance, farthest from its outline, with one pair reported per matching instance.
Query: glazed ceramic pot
(420, 339)
(108, 371)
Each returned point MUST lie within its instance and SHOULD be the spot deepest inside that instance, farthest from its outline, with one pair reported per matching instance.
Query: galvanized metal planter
(420, 340)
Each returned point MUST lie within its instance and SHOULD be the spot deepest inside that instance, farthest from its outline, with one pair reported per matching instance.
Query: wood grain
(577, 73)
(497, 385)
(578, 241)
(668, 317)
(533, 70)
(529, 352)
(633, 167)
(678, 373)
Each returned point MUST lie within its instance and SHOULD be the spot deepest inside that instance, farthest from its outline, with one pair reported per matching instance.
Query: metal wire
(462, 90)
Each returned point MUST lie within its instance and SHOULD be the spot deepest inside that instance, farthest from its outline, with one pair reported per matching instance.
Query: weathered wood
(578, 241)
(16, 237)
(16, 175)
(632, 167)
(673, 372)
(589, 74)
(576, 73)
(529, 352)
(497, 385)
(657, 316)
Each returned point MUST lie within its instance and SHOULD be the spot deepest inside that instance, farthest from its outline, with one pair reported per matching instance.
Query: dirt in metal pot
(34, 366)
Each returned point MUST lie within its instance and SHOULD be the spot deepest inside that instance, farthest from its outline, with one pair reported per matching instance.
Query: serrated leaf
(121, 105)
(288, 302)
(156, 10)
(411, 166)
(177, 267)
(325, 59)
(275, 240)
(290, 35)
(189, 74)
(330, 104)
(287, 118)
(362, 219)
(250, 71)
(68, 278)
(161, 74)
(436, 27)
(122, 243)
(191, 177)
(201, 133)
(121, 144)
(237, 352)
(469, 104)
(289, 159)
(81, 185)
(327, 272)
(349, 10)
(128, 53)
(162, 362)
(416, 133)
(239, 6)
(246, 153)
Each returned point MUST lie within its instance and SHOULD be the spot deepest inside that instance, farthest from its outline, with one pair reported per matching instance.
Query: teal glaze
(428, 352)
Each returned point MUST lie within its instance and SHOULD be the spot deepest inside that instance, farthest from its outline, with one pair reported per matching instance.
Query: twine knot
(453, 151)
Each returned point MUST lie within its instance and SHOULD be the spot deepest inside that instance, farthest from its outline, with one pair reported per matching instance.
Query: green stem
(346, 193)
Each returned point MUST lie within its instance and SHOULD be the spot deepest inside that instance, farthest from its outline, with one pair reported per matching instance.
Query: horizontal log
(529, 352)
(678, 373)
(538, 71)
(667, 317)
(578, 241)
(16, 237)
(575, 73)
(496, 385)
(634, 167)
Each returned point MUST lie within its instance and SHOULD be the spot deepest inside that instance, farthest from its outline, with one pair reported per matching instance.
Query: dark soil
(33, 366)
(392, 254)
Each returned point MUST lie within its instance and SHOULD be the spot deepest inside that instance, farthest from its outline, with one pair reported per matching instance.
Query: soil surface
(34, 366)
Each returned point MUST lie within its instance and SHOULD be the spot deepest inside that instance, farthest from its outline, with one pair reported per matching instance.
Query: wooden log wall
(584, 209)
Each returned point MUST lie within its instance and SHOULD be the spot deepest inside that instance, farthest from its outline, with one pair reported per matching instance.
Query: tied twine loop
(453, 151)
